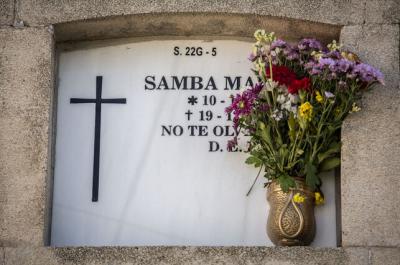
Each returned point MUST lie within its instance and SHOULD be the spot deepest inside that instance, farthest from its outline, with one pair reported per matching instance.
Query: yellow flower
(354, 108)
(241, 104)
(319, 199)
(317, 55)
(333, 46)
(350, 56)
(306, 111)
(298, 198)
(319, 97)
(260, 35)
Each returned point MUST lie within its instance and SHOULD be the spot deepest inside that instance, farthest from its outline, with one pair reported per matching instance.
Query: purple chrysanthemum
(367, 73)
(232, 144)
(278, 43)
(293, 55)
(243, 103)
(344, 65)
(264, 107)
(309, 45)
(256, 89)
(326, 62)
(252, 57)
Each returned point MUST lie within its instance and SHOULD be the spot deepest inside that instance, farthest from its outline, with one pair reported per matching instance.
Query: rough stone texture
(2, 256)
(382, 11)
(192, 25)
(387, 256)
(187, 255)
(26, 87)
(6, 12)
(44, 12)
(370, 171)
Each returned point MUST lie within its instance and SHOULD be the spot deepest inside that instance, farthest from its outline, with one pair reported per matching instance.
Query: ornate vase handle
(301, 217)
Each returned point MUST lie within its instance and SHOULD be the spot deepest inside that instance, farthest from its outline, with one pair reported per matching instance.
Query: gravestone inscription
(165, 175)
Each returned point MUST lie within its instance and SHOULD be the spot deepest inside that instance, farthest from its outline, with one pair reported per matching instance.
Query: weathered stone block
(6, 12)
(370, 174)
(26, 88)
(43, 12)
(2, 254)
(387, 256)
(187, 255)
(382, 11)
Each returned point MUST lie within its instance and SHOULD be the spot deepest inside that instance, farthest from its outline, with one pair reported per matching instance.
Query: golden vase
(291, 223)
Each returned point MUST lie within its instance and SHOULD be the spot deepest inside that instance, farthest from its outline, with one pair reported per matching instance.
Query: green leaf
(265, 133)
(283, 150)
(291, 122)
(299, 152)
(286, 182)
(329, 163)
(312, 179)
(253, 160)
(333, 149)
(292, 127)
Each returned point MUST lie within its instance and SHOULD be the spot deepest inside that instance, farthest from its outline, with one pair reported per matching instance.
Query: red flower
(296, 85)
(281, 74)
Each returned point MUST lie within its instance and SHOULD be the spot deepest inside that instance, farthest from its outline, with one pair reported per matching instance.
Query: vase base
(288, 242)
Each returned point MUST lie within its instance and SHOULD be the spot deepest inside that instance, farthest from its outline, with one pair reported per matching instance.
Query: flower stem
(254, 182)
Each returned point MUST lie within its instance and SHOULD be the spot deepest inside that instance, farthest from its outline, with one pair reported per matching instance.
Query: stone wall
(370, 171)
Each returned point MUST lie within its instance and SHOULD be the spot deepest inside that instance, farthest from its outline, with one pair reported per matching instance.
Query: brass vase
(291, 223)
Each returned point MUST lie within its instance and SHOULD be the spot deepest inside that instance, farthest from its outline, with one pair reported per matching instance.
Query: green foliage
(329, 163)
(286, 182)
(334, 148)
(253, 160)
(312, 179)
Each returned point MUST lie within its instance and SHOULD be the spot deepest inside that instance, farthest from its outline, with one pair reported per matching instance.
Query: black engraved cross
(98, 101)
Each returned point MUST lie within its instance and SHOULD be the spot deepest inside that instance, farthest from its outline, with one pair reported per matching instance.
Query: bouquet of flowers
(294, 113)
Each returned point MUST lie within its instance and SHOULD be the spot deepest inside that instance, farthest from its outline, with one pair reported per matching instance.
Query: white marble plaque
(165, 177)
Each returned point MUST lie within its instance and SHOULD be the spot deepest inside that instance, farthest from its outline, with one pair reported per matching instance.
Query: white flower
(293, 109)
(282, 89)
(329, 94)
(287, 105)
(294, 98)
(277, 115)
(281, 99)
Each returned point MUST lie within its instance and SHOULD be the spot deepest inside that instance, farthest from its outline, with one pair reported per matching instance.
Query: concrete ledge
(192, 24)
(44, 12)
(190, 255)
(386, 256)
